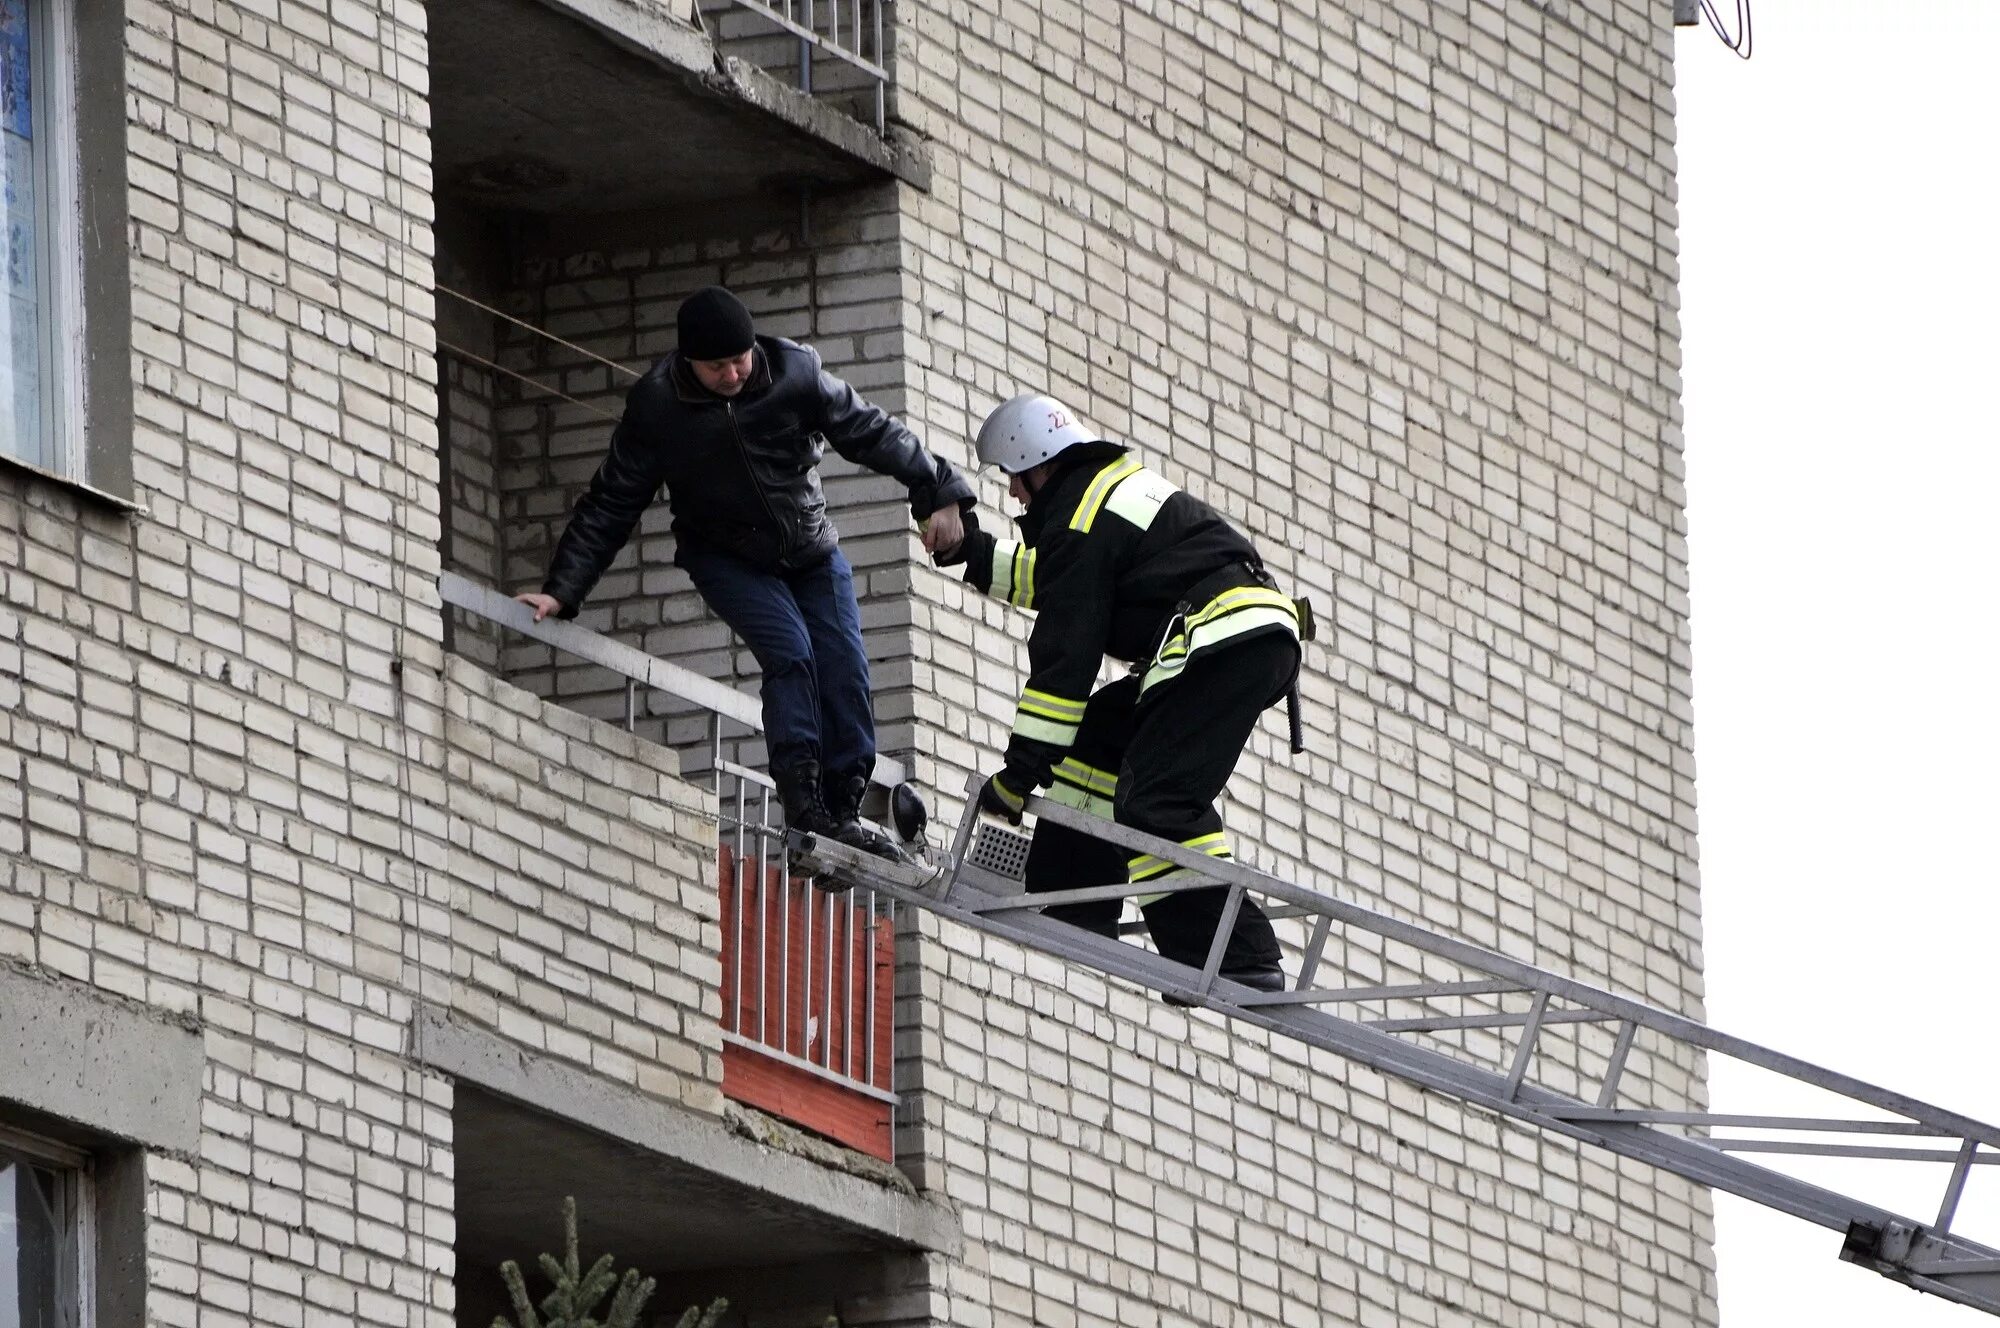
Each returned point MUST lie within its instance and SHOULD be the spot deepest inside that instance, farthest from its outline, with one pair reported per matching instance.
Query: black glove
(958, 552)
(998, 798)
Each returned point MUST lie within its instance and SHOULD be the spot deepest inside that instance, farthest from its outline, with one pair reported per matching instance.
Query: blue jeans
(805, 630)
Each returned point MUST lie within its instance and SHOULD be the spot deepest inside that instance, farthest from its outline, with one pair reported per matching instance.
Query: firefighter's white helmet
(1027, 430)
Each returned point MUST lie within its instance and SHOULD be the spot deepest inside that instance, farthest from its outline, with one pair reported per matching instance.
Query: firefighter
(1115, 560)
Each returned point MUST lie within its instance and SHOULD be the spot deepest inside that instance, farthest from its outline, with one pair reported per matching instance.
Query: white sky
(1840, 288)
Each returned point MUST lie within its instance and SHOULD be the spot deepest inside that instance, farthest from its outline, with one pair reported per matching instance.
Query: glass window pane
(21, 424)
(31, 1243)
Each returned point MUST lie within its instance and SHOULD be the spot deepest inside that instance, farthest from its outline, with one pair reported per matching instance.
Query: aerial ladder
(977, 882)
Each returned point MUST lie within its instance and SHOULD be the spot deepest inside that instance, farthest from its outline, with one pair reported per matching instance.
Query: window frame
(83, 259)
(78, 1257)
(52, 99)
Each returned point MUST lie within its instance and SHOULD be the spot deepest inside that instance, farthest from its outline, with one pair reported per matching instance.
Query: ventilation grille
(1000, 851)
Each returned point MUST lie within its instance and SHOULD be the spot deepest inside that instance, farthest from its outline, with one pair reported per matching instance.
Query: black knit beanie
(714, 325)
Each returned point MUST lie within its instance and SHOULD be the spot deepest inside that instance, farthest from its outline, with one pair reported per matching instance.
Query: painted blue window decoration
(21, 330)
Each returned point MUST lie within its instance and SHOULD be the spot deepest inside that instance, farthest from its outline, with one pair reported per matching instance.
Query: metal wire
(1741, 42)
(539, 331)
(465, 354)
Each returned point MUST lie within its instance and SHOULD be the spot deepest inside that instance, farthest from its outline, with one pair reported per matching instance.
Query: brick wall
(1393, 288)
(470, 390)
(230, 810)
(585, 916)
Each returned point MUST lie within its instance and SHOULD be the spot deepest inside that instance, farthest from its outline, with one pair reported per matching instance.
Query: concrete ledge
(672, 42)
(110, 1067)
(905, 158)
(835, 1202)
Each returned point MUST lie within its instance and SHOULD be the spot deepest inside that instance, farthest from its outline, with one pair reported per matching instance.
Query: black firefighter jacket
(1115, 560)
(740, 472)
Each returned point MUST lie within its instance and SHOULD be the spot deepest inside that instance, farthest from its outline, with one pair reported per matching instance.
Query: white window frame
(79, 1216)
(58, 235)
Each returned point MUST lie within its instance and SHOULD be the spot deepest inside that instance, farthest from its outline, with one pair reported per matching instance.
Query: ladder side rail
(1944, 1264)
(628, 662)
(1422, 1065)
(1713, 1119)
(1679, 1027)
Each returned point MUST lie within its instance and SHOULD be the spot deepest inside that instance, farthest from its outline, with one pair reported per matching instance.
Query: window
(37, 418)
(65, 292)
(45, 1237)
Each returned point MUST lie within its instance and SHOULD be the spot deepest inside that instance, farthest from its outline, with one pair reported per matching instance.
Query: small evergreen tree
(697, 1317)
(576, 1293)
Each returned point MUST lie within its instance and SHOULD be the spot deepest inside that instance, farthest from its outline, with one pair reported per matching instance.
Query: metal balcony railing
(843, 34)
(807, 974)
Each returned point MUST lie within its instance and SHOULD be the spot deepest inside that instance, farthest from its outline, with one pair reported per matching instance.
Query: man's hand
(544, 605)
(968, 545)
(1001, 801)
(943, 530)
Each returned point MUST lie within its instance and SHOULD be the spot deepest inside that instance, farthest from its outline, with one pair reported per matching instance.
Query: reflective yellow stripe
(1140, 498)
(1050, 706)
(1024, 579)
(1146, 867)
(1046, 717)
(1043, 730)
(1069, 795)
(1229, 601)
(1228, 615)
(1102, 782)
(1100, 489)
(1013, 574)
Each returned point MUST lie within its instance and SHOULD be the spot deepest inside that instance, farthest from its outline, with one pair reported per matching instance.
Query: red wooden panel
(782, 1002)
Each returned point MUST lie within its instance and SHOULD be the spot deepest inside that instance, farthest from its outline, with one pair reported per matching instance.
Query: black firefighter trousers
(1170, 756)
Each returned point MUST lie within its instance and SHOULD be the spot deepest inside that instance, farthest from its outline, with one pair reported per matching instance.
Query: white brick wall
(229, 799)
(1391, 286)
(585, 911)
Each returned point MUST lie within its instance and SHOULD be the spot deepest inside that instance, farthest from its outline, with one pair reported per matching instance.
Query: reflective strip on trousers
(1146, 867)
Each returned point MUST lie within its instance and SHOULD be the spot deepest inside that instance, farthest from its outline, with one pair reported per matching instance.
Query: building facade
(345, 931)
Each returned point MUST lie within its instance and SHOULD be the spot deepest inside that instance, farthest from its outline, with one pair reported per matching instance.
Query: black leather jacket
(740, 471)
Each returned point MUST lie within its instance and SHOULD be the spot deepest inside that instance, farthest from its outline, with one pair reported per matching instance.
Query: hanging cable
(540, 332)
(1740, 43)
(468, 356)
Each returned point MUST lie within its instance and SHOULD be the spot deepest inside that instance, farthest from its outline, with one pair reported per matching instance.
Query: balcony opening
(699, 1232)
(587, 182)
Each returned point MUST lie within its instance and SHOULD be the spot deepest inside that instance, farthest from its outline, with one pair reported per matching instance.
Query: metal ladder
(978, 882)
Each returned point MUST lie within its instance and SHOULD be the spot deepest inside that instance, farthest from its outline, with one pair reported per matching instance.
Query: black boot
(843, 808)
(1256, 976)
(798, 792)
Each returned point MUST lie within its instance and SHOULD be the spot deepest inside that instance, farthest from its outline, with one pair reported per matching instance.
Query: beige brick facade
(1390, 284)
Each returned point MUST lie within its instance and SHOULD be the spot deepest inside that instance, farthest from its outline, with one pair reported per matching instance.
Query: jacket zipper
(764, 499)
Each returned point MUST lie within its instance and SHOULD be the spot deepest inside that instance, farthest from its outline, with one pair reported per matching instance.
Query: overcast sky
(1840, 295)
